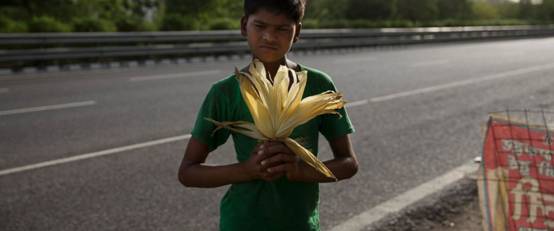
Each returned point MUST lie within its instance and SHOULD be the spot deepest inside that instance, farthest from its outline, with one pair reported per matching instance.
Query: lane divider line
(355, 59)
(174, 76)
(396, 204)
(92, 155)
(502, 75)
(357, 103)
(47, 108)
(430, 63)
(114, 150)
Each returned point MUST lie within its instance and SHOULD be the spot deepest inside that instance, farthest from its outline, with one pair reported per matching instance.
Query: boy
(271, 189)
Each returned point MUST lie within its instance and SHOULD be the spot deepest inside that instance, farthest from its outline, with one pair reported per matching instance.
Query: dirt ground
(469, 219)
(454, 209)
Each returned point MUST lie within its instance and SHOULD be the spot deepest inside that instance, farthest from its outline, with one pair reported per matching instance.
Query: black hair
(293, 9)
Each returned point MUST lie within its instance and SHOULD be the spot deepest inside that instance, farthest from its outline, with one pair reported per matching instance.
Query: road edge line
(92, 155)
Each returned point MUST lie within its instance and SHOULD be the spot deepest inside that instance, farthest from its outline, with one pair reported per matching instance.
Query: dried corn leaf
(277, 108)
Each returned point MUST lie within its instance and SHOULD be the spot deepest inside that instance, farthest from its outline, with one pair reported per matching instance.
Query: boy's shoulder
(318, 77)
(226, 81)
(315, 72)
(226, 84)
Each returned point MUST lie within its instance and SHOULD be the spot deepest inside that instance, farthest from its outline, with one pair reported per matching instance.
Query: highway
(100, 149)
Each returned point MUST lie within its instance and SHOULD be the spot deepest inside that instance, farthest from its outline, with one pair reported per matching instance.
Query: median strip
(46, 108)
(92, 155)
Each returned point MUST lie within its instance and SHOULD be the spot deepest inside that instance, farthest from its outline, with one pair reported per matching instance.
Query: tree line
(173, 15)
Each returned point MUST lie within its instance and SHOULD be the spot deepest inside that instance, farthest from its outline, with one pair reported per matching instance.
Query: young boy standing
(271, 188)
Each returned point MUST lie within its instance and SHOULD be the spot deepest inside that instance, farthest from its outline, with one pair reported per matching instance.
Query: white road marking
(502, 75)
(174, 76)
(405, 199)
(430, 63)
(92, 155)
(46, 108)
(114, 150)
(4, 90)
(357, 103)
(355, 59)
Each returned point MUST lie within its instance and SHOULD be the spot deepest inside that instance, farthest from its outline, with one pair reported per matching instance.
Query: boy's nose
(268, 37)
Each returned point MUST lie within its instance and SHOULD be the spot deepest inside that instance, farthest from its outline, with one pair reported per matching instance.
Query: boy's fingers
(259, 148)
(279, 168)
(281, 157)
(267, 146)
(260, 157)
(271, 176)
(277, 147)
(264, 153)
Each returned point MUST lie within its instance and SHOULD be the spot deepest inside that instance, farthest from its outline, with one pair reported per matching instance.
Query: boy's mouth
(268, 47)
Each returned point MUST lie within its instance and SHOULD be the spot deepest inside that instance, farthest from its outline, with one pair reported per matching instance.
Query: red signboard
(517, 191)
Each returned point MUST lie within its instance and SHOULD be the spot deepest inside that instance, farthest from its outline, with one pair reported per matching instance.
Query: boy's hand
(281, 160)
(257, 167)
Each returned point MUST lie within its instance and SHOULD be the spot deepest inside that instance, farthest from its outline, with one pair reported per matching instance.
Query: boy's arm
(193, 173)
(344, 164)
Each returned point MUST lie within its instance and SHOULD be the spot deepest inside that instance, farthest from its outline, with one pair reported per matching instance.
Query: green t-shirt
(259, 205)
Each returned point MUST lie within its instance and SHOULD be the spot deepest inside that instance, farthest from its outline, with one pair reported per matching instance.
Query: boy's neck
(272, 68)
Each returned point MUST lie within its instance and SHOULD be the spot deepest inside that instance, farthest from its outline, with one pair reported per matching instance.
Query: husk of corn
(277, 108)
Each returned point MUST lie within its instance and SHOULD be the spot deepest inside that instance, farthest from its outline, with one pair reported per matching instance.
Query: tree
(454, 9)
(127, 15)
(370, 9)
(417, 10)
(326, 9)
(59, 9)
(190, 7)
(508, 10)
(547, 10)
(230, 9)
(484, 11)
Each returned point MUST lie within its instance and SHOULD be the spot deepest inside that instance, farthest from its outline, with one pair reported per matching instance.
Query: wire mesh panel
(517, 184)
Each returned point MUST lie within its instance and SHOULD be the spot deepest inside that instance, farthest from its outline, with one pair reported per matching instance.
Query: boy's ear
(243, 22)
(297, 32)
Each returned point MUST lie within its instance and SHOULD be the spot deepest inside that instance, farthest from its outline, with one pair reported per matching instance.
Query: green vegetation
(47, 24)
(12, 26)
(176, 15)
(176, 22)
(90, 24)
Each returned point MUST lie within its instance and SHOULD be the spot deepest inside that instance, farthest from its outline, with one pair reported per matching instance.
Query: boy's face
(270, 36)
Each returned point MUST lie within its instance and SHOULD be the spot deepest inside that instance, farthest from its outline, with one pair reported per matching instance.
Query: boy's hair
(293, 9)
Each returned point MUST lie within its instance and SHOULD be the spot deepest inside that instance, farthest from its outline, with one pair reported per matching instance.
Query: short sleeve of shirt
(333, 126)
(213, 107)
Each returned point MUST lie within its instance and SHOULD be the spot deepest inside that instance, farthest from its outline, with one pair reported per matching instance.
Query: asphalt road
(418, 112)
